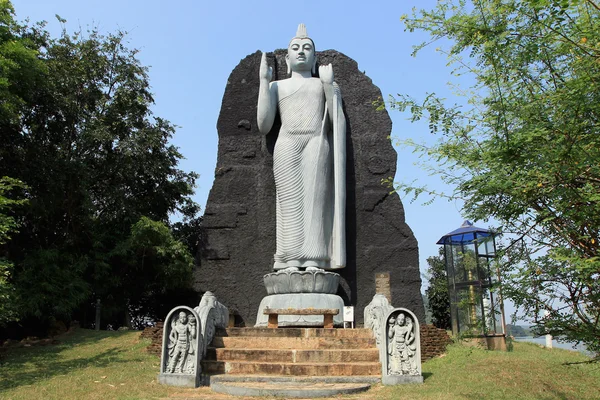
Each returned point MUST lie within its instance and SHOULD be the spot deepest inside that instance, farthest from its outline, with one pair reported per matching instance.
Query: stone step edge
(283, 340)
(280, 391)
(307, 332)
(267, 337)
(373, 349)
(232, 354)
(304, 338)
(300, 378)
(294, 363)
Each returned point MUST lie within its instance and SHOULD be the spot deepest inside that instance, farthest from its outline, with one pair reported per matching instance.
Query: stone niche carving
(402, 359)
(397, 333)
(186, 335)
(181, 349)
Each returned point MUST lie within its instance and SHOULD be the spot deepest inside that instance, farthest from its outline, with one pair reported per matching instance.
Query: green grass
(114, 365)
(86, 364)
(528, 372)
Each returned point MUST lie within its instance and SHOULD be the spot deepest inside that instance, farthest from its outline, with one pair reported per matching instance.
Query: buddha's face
(301, 54)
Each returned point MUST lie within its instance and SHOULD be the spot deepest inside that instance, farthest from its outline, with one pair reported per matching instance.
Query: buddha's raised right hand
(265, 72)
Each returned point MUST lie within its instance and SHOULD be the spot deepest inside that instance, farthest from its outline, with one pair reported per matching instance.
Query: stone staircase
(292, 362)
(293, 352)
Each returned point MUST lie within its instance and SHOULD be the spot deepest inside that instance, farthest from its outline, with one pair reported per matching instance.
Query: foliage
(8, 301)
(78, 129)
(8, 223)
(523, 149)
(21, 70)
(188, 229)
(427, 309)
(517, 330)
(437, 292)
(151, 262)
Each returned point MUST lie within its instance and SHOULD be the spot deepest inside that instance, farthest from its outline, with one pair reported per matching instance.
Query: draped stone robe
(303, 169)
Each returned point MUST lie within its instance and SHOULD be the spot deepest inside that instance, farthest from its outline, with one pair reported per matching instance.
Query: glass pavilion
(475, 300)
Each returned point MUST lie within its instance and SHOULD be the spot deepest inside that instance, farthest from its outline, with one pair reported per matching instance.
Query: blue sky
(191, 47)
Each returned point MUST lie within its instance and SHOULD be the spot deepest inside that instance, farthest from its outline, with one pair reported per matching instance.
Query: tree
(151, 264)
(79, 131)
(524, 149)
(8, 224)
(437, 292)
(516, 330)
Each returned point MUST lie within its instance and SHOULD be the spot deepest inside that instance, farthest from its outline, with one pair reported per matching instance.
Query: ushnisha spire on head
(301, 34)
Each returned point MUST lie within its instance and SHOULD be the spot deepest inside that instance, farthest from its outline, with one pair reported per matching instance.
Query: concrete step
(291, 369)
(296, 332)
(293, 355)
(294, 379)
(288, 390)
(251, 342)
(290, 386)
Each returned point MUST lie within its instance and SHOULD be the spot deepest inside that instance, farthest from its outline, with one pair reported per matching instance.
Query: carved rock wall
(238, 238)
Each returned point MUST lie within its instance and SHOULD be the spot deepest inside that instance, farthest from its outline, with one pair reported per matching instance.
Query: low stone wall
(433, 342)
(154, 333)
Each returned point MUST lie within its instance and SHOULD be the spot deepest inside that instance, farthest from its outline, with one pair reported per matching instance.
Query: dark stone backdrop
(238, 236)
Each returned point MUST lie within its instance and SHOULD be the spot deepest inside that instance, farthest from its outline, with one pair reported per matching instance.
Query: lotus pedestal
(314, 289)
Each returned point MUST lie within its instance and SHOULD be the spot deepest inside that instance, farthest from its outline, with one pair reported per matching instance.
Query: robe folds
(309, 212)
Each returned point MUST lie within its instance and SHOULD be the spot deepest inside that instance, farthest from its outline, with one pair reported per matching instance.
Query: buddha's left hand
(326, 74)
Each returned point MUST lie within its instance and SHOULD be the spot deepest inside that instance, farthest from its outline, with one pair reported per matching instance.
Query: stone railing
(213, 315)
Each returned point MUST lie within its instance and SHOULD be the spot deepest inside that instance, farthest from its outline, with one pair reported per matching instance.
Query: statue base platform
(183, 380)
(300, 301)
(401, 379)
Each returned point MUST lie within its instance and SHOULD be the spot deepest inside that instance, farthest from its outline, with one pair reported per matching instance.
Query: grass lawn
(114, 365)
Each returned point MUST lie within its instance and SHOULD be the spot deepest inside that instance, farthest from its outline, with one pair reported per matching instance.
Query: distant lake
(541, 340)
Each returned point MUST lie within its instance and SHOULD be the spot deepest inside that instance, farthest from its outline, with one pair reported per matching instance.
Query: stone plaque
(382, 285)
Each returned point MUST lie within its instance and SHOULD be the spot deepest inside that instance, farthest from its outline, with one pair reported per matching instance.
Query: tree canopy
(437, 292)
(8, 224)
(101, 177)
(523, 149)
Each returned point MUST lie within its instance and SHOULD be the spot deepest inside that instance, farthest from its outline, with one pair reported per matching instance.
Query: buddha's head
(301, 55)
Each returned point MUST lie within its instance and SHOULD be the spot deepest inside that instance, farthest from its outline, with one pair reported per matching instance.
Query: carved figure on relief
(309, 159)
(181, 344)
(401, 350)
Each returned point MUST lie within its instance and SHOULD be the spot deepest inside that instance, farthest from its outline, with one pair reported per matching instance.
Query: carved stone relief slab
(374, 317)
(213, 315)
(401, 362)
(182, 348)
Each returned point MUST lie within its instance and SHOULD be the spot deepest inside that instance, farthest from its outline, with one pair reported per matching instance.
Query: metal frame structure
(476, 307)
